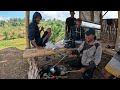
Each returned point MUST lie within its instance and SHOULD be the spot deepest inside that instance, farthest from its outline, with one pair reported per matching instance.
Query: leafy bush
(5, 34)
(15, 28)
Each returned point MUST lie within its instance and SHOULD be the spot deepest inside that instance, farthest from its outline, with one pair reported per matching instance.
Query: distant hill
(4, 18)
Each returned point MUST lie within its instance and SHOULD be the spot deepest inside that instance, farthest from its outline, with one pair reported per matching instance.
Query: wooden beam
(29, 53)
(80, 14)
(118, 33)
(101, 19)
(26, 27)
(105, 13)
(109, 51)
(92, 15)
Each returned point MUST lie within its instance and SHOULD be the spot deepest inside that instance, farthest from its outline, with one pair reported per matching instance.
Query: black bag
(70, 44)
(46, 69)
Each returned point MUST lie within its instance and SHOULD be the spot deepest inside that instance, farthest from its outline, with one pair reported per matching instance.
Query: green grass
(18, 43)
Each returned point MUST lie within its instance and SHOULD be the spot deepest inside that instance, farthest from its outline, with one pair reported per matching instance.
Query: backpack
(96, 45)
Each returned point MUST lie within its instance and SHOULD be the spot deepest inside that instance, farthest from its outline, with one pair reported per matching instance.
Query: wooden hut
(88, 16)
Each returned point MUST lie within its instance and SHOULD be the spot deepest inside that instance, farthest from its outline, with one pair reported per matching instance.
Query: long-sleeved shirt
(90, 53)
(77, 33)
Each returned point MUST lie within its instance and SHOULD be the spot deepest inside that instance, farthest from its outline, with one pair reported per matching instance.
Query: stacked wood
(33, 72)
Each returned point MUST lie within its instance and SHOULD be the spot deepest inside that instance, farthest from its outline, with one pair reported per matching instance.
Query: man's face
(72, 14)
(38, 19)
(89, 37)
(78, 23)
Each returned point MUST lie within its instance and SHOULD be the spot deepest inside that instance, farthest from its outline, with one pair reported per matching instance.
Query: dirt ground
(13, 66)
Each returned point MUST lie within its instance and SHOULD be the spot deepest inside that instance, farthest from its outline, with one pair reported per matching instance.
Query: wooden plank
(105, 13)
(80, 14)
(28, 53)
(92, 16)
(109, 51)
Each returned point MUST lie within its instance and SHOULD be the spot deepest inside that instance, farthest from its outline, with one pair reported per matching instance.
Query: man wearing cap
(77, 32)
(90, 52)
(70, 21)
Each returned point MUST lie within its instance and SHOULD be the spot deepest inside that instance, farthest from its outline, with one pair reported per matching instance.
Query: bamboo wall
(109, 32)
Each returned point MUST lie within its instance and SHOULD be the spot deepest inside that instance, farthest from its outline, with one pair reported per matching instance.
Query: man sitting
(89, 52)
(34, 32)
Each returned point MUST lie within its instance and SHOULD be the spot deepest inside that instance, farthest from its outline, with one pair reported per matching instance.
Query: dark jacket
(33, 31)
(79, 35)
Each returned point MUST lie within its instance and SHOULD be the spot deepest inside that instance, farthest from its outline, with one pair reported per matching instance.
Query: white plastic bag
(49, 45)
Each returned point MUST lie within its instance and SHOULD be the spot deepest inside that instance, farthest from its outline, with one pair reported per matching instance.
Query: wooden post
(101, 24)
(26, 27)
(92, 15)
(118, 32)
(100, 17)
(80, 14)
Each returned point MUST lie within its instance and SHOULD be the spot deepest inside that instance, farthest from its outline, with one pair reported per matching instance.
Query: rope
(60, 61)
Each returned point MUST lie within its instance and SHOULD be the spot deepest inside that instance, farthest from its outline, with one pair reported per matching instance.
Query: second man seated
(77, 32)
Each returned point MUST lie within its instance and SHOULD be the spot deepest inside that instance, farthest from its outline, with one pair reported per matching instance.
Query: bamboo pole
(118, 32)
(26, 27)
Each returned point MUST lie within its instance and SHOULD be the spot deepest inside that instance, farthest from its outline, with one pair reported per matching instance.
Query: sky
(62, 15)
(111, 14)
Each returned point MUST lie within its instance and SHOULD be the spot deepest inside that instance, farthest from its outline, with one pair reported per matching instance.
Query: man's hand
(72, 56)
(82, 70)
(42, 28)
(69, 52)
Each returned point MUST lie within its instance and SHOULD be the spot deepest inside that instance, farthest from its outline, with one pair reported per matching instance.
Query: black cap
(90, 31)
